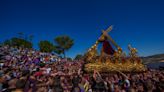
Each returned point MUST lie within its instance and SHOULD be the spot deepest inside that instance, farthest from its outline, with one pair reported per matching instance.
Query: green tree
(1, 44)
(63, 43)
(78, 57)
(69, 59)
(46, 46)
(57, 50)
(19, 42)
(7, 42)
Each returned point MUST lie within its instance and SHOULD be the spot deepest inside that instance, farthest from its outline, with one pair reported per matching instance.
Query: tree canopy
(78, 57)
(63, 43)
(19, 42)
(46, 46)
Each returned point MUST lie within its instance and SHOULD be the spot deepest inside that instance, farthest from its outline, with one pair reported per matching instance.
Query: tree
(7, 42)
(19, 42)
(57, 50)
(46, 46)
(22, 40)
(1, 44)
(63, 43)
(21, 35)
(78, 57)
(69, 59)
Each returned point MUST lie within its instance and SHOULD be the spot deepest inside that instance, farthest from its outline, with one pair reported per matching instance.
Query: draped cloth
(107, 48)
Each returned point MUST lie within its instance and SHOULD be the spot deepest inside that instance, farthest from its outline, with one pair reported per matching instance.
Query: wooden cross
(105, 33)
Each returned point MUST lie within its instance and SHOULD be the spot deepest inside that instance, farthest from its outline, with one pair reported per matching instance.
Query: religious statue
(111, 57)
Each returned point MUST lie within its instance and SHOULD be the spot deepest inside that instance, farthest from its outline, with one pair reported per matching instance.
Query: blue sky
(138, 22)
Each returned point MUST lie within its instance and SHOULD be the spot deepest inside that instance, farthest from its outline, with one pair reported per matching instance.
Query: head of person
(20, 84)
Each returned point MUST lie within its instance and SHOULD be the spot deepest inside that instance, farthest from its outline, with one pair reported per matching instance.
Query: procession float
(112, 60)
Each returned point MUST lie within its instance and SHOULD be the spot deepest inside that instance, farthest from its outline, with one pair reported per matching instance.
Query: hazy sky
(139, 22)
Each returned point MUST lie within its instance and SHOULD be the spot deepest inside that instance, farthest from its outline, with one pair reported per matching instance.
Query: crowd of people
(27, 70)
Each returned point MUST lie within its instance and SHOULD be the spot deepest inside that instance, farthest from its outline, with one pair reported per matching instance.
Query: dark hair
(37, 69)
(20, 84)
(25, 72)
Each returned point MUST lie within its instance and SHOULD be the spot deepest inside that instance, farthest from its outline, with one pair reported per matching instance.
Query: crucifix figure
(106, 48)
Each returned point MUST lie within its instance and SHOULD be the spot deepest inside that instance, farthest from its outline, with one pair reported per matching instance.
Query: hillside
(154, 61)
(153, 58)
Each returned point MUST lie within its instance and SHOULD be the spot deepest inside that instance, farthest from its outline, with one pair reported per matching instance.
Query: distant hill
(154, 61)
(153, 58)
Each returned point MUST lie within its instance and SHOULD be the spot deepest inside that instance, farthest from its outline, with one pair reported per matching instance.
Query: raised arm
(123, 74)
(98, 74)
(94, 74)
(79, 71)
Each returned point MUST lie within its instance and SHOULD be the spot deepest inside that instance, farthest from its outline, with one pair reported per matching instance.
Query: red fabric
(107, 48)
(123, 60)
(38, 73)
